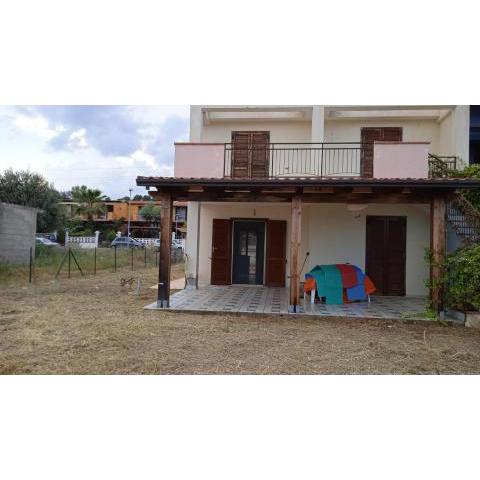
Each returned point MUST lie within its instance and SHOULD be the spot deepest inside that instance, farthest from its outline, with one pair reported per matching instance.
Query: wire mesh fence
(54, 263)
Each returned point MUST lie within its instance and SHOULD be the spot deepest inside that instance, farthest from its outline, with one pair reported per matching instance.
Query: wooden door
(374, 134)
(386, 246)
(221, 252)
(276, 253)
(250, 154)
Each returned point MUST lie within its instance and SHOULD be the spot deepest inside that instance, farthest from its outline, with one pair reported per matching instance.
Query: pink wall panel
(400, 160)
(195, 160)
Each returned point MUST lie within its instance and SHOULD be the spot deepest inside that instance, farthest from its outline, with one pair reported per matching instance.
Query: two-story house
(275, 190)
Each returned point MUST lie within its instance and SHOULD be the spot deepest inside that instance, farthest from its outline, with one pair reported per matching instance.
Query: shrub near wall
(462, 279)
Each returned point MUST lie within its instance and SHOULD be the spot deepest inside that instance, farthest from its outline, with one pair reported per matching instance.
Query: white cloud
(102, 147)
(77, 139)
(36, 124)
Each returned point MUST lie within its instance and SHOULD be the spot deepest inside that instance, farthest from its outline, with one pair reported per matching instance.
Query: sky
(105, 147)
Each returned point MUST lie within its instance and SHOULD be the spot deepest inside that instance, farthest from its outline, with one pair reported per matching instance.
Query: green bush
(462, 279)
(108, 234)
(470, 171)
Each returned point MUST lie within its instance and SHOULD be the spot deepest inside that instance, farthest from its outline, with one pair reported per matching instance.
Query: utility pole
(129, 200)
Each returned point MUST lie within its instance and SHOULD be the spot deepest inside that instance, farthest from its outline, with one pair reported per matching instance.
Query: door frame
(249, 220)
(265, 221)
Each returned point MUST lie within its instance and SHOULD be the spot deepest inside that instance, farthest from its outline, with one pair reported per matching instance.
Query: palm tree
(90, 201)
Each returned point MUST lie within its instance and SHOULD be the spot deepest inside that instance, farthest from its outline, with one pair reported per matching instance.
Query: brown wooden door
(221, 252)
(276, 253)
(374, 134)
(250, 154)
(386, 246)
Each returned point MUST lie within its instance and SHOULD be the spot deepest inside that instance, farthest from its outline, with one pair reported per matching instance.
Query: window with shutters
(250, 154)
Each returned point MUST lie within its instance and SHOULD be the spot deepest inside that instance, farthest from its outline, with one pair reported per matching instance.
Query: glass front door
(248, 252)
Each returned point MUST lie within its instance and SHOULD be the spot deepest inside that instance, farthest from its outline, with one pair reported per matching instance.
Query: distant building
(117, 213)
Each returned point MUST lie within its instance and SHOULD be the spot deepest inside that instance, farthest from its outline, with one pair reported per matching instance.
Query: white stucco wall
(336, 236)
(296, 132)
(454, 133)
(330, 233)
(209, 211)
(413, 130)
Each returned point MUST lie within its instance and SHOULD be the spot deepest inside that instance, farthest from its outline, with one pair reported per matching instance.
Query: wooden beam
(295, 241)
(437, 243)
(318, 190)
(362, 190)
(163, 292)
(278, 190)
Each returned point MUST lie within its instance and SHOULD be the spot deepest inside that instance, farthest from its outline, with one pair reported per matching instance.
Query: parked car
(46, 242)
(126, 242)
(176, 244)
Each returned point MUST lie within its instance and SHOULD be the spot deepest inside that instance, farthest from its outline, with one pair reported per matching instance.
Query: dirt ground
(94, 325)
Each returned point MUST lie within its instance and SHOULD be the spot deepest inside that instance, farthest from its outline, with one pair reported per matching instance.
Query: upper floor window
(250, 154)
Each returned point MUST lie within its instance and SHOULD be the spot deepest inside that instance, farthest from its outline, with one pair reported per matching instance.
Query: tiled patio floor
(250, 299)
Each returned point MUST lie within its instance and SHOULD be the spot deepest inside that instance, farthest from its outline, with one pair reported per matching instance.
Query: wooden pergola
(296, 192)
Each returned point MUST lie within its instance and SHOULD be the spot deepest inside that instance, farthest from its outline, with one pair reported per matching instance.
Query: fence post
(97, 234)
(132, 258)
(30, 270)
(95, 261)
(69, 257)
(145, 255)
(115, 256)
(66, 237)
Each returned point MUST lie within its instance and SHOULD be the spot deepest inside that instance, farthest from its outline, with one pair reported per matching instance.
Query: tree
(33, 190)
(150, 213)
(142, 197)
(90, 201)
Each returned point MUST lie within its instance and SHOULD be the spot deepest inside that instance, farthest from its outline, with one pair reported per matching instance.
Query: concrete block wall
(18, 225)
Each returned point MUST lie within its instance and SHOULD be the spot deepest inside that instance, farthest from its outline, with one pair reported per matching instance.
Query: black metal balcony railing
(321, 160)
(441, 166)
(294, 159)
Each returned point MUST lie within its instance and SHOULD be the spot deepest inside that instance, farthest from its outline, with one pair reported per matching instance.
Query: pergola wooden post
(437, 245)
(295, 241)
(163, 295)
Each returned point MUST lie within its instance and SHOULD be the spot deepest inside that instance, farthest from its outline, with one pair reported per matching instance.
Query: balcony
(319, 160)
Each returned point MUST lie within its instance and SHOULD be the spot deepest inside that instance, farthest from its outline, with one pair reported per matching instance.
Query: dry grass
(92, 325)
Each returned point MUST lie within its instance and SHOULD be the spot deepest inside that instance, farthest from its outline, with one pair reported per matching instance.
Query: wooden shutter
(250, 154)
(396, 255)
(276, 253)
(374, 134)
(375, 245)
(221, 252)
(259, 157)
(240, 154)
(386, 254)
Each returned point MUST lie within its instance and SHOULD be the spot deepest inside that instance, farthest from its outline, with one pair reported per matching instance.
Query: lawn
(94, 325)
